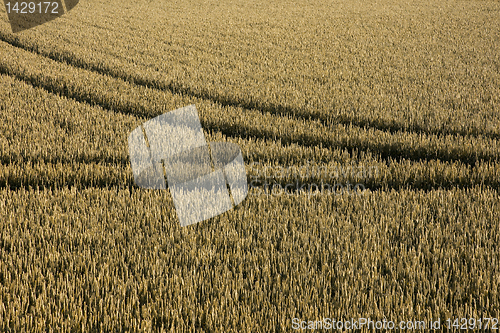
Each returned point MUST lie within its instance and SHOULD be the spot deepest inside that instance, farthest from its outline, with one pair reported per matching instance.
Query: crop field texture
(402, 97)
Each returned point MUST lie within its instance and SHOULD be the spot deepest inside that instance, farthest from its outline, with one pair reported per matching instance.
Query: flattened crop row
(121, 96)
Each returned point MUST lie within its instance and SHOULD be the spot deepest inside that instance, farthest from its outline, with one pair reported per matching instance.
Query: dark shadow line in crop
(64, 91)
(79, 184)
(384, 151)
(107, 160)
(309, 183)
(231, 101)
(265, 187)
(339, 187)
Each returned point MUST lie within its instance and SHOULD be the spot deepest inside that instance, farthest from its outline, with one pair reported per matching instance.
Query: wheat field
(400, 98)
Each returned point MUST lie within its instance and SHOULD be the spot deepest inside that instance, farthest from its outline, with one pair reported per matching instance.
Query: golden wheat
(400, 97)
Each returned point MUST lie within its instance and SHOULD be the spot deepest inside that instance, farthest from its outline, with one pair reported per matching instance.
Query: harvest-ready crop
(400, 97)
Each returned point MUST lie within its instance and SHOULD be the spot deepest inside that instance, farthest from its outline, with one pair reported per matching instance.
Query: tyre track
(237, 128)
(231, 101)
(386, 151)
